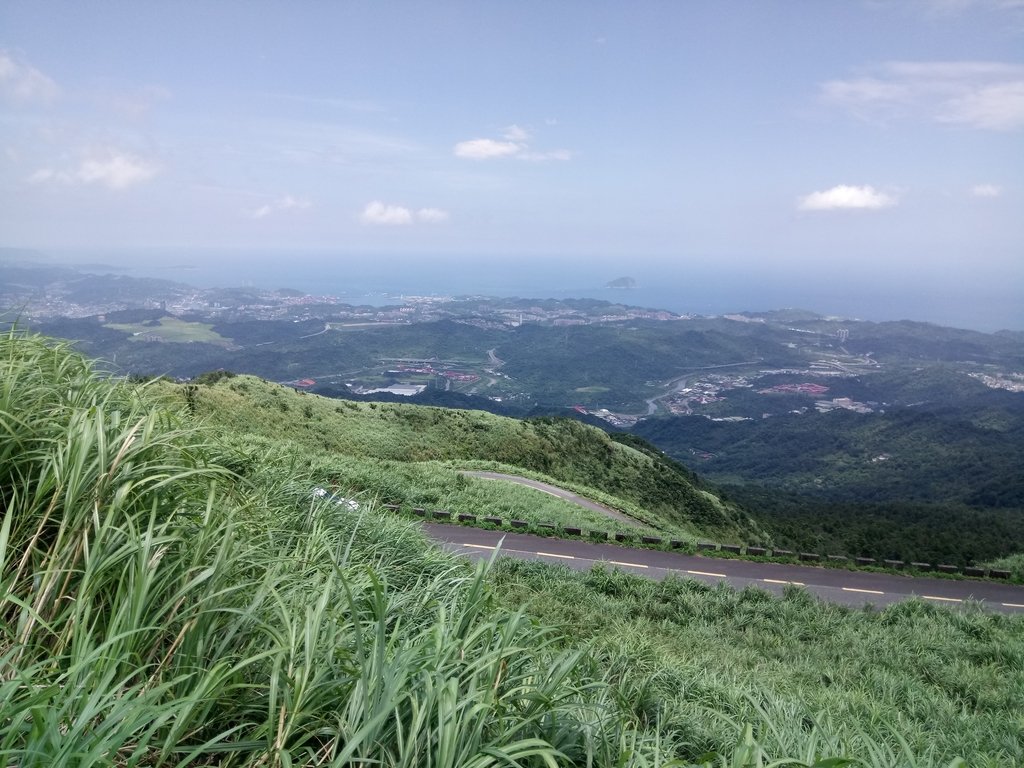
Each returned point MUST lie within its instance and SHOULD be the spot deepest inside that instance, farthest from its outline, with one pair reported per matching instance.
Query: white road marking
(543, 490)
(716, 575)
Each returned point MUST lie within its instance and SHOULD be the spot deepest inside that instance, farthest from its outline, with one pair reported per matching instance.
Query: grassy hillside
(820, 679)
(567, 452)
(170, 594)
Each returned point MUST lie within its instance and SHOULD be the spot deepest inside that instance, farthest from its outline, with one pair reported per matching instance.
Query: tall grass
(155, 610)
(913, 685)
(171, 598)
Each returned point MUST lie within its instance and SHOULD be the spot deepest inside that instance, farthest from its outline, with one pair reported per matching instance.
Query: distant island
(621, 282)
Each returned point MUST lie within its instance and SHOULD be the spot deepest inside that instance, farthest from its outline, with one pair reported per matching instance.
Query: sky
(870, 140)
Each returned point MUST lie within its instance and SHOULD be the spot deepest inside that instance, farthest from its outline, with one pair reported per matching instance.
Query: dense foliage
(923, 483)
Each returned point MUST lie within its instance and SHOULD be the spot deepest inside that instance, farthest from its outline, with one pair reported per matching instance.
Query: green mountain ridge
(639, 480)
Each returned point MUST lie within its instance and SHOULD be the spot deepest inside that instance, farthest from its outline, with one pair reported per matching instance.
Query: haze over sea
(699, 287)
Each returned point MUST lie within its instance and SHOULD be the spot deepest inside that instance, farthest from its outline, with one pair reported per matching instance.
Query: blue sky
(881, 137)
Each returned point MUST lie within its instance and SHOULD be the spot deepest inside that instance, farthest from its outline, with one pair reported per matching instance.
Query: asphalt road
(554, 490)
(855, 588)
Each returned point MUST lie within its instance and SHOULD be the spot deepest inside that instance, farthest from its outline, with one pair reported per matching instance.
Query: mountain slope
(643, 483)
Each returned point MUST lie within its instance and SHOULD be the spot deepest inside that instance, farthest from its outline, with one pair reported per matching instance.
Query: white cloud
(986, 190)
(432, 215)
(286, 203)
(515, 143)
(23, 82)
(108, 168)
(996, 107)
(956, 7)
(378, 213)
(115, 170)
(984, 95)
(515, 133)
(845, 196)
(483, 149)
(42, 176)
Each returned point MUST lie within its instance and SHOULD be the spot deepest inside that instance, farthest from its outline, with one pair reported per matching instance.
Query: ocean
(704, 289)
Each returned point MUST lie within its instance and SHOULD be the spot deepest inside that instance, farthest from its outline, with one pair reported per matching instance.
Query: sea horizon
(700, 289)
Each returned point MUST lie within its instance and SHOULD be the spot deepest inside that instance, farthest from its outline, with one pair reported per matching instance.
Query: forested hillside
(932, 481)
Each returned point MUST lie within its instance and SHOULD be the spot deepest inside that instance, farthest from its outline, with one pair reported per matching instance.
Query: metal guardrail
(622, 537)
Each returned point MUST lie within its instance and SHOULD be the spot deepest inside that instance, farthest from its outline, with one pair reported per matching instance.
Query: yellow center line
(864, 591)
(553, 554)
(705, 573)
(631, 565)
(479, 546)
(1013, 605)
(783, 581)
(946, 599)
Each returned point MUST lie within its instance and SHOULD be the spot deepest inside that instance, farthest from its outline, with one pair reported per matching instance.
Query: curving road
(554, 490)
(855, 588)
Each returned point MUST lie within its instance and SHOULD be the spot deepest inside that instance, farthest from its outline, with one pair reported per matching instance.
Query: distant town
(168, 312)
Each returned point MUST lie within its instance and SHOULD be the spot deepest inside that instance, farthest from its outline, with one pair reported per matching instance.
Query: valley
(883, 440)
